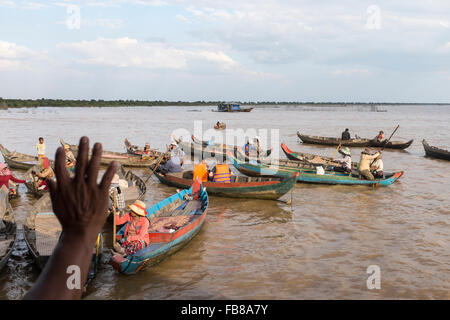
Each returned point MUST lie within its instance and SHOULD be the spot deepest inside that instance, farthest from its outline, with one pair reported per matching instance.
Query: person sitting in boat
(173, 164)
(136, 231)
(201, 171)
(41, 148)
(7, 178)
(46, 173)
(116, 198)
(346, 160)
(70, 158)
(377, 167)
(177, 153)
(146, 153)
(380, 136)
(364, 163)
(345, 135)
(247, 147)
(221, 173)
(218, 125)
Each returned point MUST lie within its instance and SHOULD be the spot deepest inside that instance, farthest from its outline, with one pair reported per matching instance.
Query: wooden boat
(231, 107)
(311, 176)
(19, 160)
(360, 142)
(124, 159)
(42, 231)
(224, 147)
(270, 188)
(435, 152)
(30, 184)
(221, 126)
(8, 228)
(187, 215)
(312, 158)
(137, 151)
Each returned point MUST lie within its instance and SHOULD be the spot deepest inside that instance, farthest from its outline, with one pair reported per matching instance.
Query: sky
(254, 50)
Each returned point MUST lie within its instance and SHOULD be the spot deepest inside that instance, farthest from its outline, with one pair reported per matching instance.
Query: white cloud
(13, 56)
(128, 52)
(350, 72)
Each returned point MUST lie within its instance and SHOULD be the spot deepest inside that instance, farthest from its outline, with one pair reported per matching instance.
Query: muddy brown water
(318, 248)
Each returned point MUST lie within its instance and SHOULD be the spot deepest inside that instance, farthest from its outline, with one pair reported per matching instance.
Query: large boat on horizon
(231, 107)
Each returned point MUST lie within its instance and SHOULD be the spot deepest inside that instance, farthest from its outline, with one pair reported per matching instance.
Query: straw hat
(138, 207)
(345, 151)
(66, 146)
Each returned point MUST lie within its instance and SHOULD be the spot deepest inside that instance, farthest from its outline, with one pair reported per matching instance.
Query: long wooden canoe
(224, 146)
(311, 158)
(269, 188)
(124, 159)
(19, 160)
(173, 223)
(8, 228)
(434, 152)
(360, 142)
(42, 231)
(137, 151)
(309, 176)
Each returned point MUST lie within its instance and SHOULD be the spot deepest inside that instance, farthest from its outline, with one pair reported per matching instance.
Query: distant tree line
(24, 103)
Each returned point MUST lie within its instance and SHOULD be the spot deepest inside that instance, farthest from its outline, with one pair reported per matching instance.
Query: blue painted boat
(189, 207)
(311, 176)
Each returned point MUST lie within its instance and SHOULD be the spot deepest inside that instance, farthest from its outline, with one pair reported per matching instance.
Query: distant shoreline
(31, 103)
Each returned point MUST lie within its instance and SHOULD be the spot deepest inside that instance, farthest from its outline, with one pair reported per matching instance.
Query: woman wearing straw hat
(346, 160)
(70, 158)
(136, 231)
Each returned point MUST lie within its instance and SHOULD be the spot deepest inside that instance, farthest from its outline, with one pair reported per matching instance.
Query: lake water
(318, 248)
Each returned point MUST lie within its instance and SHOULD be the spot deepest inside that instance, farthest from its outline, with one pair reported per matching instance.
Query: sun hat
(138, 207)
(115, 179)
(367, 150)
(66, 146)
(345, 150)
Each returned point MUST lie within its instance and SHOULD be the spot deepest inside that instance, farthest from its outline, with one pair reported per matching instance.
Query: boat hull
(434, 152)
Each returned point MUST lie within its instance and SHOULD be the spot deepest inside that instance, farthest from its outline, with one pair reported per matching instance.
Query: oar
(156, 166)
(114, 218)
(384, 146)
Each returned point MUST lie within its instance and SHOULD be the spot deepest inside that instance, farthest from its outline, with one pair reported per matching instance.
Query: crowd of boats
(177, 219)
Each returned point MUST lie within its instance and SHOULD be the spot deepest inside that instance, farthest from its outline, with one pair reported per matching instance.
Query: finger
(94, 164)
(62, 176)
(82, 159)
(109, 174)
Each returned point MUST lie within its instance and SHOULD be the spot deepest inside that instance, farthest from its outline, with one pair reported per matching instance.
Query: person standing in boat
(377, 167)
(116, 198)
(70, 158)
(7, 178)
(135, 236)
(41, 148)
(346, 160)
(345, 135)
(364, 163)
(380, 136)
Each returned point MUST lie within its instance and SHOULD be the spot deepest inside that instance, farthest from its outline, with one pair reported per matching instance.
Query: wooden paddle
(156, 166)
(114, 217)
(385, 143)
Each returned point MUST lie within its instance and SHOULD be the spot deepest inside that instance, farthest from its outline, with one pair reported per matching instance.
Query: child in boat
(7, 178)
(221, 173)
(70, 158)
(377, 167)
(136, 232)
(117, 200)
(41, 148)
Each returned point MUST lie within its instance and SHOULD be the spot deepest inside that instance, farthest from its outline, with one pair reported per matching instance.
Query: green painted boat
(268, 188)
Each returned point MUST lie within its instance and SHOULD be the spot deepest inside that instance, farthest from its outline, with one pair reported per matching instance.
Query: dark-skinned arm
(81, 207)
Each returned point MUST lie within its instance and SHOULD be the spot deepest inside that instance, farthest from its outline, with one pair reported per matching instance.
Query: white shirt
(40, 148)
(378, 165)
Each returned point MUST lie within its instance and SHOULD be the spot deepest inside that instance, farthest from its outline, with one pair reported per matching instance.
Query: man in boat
(377, 167)
(346, 160)
(46, 173)
(364, 163)
(70, 158)
(136, 231)
(7, 178)
(173, 164)
(221, 173)
(176, 153)
(380, 136)
(41, 148)
(116, 198)
(201, 171)
(345, 135)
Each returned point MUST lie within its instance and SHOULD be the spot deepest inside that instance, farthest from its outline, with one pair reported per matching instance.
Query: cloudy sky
(248, 50)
